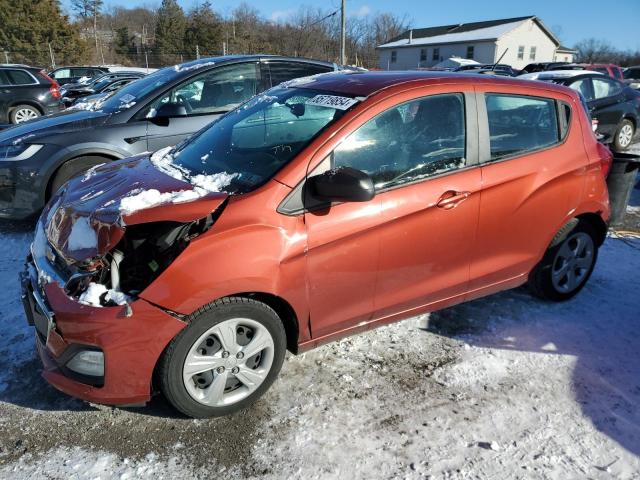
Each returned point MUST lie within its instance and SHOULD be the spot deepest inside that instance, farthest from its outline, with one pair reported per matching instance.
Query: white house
(524, 39)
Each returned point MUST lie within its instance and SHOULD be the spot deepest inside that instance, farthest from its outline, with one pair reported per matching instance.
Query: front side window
(521, 52)
(603, 88)
(20, 77)
(519, 124)
(470, 51)
(255, 141)
(394, 56)
(532, 53)
(216, 91)
(409, 142)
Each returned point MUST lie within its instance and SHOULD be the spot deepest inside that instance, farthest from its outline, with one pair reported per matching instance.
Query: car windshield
(128, 96)
(254, 141)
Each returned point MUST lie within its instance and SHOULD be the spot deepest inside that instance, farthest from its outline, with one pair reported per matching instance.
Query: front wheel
(567, 264)
(224, 360)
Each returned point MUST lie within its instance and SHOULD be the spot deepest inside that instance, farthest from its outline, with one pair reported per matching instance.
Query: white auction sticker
(332, 101)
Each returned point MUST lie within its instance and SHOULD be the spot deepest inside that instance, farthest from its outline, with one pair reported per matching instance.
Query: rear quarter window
(20, 77)
(520, 124)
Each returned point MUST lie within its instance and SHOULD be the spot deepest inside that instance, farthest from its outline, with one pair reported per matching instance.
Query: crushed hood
(86, 219)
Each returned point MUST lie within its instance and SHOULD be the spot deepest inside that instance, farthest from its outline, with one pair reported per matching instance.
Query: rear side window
(617, 73)
(285, 71)
(584, 87)
(519, 124)
(409, 142)
(20, 77)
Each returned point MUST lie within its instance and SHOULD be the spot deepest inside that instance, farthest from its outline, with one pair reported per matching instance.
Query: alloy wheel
(625, 136)
(25, 114)
(228, 362)
(573, 262)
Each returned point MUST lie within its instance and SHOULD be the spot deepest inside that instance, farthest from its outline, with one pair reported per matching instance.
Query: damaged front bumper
(130, 345)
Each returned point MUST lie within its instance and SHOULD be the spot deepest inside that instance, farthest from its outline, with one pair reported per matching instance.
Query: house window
(423, 54)
(394, 56)
(470, 51)
(532, 53)
(436, 54)
(521, 52)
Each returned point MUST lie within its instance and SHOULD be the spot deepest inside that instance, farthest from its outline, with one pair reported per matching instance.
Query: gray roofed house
(524, 39)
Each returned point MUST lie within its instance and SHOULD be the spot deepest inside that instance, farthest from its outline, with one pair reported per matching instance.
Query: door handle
(451, 199)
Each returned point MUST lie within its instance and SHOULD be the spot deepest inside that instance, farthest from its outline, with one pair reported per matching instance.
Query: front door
(205, 98)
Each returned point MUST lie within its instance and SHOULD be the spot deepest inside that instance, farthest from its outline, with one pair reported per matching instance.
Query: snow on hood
(127, 192)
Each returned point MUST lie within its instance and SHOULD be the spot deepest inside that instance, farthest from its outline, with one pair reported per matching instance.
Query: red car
(614, 71)
(327, 206)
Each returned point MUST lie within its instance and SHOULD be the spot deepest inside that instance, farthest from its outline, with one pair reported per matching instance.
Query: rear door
(206, 97)
(532, 177)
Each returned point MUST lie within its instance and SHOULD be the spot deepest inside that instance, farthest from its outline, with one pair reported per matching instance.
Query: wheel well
(284, 311)
(30, 103)
(598, 225)
(48, 191)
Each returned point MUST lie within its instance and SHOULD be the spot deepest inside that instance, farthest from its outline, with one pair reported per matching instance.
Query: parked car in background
(632, 77)
(64, 75)
(614, 71)
(26, 93)
(106, 84)
(306, 215)
(156, 111)
(614, 105)
(104, 76)
(499, 69)
(541, 67)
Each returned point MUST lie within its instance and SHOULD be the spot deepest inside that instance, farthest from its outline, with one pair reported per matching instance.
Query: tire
(23, 113)
(70, 169)
(198, 379)
(624, 135)
(574, 249)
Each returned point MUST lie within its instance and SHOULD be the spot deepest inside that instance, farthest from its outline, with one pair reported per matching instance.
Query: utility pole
(53, 60)
(6, 57)
(343, 34)
(197, 52)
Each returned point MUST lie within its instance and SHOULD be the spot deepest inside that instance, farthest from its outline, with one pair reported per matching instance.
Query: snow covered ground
(501, 388)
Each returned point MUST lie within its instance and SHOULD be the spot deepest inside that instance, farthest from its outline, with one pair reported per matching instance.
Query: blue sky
(617, 21)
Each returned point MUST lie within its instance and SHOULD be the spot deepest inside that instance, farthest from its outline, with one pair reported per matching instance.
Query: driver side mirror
(343, 184)
(169, 110)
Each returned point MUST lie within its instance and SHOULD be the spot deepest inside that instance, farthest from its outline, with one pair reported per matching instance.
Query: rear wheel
(568, 263)
(224, 360)
(23, 113)
(624, 135)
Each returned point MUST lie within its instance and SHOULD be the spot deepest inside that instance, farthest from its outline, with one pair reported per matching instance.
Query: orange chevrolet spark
(327, 206)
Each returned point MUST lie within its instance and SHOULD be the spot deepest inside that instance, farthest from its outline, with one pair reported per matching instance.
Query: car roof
(194, 64)
(364, 84)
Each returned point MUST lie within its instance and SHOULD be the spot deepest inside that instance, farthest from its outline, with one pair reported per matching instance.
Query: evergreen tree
(170, 30)
(123, 44)
(29, 26)
(204, 29)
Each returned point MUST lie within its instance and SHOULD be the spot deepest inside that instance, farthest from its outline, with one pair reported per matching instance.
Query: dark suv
(103, 83)
(157, 111)
(26, 93)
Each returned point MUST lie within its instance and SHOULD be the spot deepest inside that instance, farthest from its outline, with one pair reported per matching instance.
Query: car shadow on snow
(599, 327)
